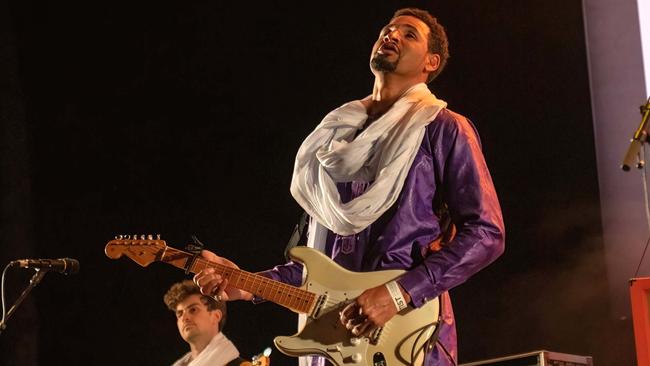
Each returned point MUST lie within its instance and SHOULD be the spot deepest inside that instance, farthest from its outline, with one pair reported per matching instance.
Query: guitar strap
(195, 250)
(448, 231)
(447, 227)
(297, 235)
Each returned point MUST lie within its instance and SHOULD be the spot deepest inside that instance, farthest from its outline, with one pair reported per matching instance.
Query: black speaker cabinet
(536, 358)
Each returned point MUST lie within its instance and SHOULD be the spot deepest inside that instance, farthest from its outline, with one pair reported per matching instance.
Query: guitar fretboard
(291, 297)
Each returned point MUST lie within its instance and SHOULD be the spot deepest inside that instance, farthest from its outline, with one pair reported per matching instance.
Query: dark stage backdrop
(181, 118)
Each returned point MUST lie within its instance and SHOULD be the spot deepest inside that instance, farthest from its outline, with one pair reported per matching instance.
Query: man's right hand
(214, 285)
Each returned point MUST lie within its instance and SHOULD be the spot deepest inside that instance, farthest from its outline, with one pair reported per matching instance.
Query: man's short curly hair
(182, 290)
(438, 42)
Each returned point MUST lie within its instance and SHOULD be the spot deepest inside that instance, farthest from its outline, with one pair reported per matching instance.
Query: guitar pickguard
(401, 341)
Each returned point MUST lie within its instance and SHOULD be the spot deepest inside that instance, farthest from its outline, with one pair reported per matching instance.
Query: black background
(184, 118)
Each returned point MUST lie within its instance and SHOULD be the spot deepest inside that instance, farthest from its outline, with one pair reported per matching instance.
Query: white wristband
(396, 294)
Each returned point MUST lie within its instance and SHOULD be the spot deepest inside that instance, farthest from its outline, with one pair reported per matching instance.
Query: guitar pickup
(375, 334)
(318, 307)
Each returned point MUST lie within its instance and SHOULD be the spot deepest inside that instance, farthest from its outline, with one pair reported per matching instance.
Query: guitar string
(296, 298)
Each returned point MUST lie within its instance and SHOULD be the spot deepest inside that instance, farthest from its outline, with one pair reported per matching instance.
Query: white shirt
(218, 352)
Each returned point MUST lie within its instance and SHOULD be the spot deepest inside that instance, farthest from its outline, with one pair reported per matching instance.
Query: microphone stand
(640, 136)
(35, 280)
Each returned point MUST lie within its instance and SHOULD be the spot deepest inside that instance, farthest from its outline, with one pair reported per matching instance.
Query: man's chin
(381, 63)
(189, 333)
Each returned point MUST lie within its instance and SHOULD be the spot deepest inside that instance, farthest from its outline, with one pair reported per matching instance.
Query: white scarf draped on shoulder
(381, 154)
(220, 351)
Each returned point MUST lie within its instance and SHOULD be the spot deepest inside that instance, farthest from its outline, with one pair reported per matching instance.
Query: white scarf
(218, 352)
(382, 154)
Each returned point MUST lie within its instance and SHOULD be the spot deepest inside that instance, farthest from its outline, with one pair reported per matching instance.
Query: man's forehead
(190, 301)
(409, 21)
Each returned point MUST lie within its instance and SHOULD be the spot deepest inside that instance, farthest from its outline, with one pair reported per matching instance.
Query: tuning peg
(118, 237)
(149, 237)
(157, 236)
(127, 237)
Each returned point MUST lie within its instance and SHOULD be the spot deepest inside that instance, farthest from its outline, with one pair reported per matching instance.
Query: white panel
(618, 88)
(644, 18)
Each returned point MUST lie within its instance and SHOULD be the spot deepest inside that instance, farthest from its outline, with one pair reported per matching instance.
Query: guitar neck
(290, 297)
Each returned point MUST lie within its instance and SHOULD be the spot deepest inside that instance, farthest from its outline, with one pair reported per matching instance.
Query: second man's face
(402, 47)
(195, 320)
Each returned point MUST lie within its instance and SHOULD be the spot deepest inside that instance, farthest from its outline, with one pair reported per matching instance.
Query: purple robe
(450, 164)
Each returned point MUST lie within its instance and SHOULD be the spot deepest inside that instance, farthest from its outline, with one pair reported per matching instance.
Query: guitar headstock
(263, 358)
(261, 361)
(142, 249)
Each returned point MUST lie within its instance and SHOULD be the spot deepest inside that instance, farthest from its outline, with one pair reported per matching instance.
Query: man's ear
(218, 314)
(433, 62)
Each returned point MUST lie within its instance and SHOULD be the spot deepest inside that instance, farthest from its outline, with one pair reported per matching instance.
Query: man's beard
(381, 63)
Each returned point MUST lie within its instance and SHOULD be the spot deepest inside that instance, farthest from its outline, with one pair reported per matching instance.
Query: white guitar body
(401, 341)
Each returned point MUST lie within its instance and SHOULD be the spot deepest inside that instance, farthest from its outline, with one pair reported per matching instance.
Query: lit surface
(644, 23)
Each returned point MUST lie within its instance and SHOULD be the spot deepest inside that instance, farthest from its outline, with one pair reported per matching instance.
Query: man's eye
(411, 35)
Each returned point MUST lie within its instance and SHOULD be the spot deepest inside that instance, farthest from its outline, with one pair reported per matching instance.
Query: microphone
(62, 265)
(640, 137)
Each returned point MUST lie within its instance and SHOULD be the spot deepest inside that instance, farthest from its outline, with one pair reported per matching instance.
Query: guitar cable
(2, 294)
(433, 338)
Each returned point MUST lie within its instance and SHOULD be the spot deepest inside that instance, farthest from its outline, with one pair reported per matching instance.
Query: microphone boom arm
(35, 280)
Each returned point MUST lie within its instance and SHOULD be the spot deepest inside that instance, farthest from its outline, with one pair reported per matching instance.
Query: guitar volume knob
(356, 357)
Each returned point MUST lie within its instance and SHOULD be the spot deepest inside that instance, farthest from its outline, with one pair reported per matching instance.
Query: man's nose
(390, 36)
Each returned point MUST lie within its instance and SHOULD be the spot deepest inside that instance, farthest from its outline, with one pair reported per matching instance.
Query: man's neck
(386, 91)
(198, 345)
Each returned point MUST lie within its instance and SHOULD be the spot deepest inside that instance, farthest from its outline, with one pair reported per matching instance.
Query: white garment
(218, 352)
(382, 154)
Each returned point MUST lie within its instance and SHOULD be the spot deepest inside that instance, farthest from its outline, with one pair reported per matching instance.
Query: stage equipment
(536, 358)
(62, 265)
(41, 266)
(640, 299)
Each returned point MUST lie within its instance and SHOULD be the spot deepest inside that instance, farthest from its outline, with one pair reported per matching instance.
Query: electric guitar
(328, 288)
